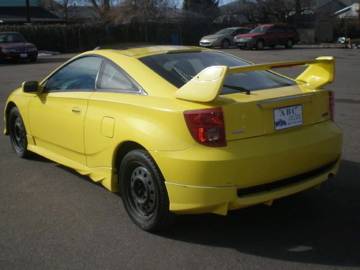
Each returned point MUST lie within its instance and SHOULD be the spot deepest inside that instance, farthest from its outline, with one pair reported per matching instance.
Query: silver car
(223, 38)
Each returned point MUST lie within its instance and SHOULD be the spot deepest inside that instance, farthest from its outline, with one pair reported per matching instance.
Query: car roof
(274, 24)
(153, 50)
(267, 25)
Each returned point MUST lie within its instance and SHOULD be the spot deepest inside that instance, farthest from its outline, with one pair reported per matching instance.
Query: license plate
(23, 55)
(287, 117)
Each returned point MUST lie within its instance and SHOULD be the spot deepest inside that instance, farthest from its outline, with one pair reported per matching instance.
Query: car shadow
(320, 226)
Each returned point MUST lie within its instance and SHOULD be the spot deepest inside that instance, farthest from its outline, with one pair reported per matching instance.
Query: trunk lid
(254, 115)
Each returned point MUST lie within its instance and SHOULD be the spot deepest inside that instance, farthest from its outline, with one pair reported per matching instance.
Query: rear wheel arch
(142, 188)
(122, 149)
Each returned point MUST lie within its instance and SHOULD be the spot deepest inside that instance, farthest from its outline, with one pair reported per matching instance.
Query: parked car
(223, 38)
(181, 130)
(268, 35)
(13, 46)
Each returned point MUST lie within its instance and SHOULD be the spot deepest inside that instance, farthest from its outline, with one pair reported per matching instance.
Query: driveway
(53, 218)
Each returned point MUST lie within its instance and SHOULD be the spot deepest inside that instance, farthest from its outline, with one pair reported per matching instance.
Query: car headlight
(244, 39)
(208, 40)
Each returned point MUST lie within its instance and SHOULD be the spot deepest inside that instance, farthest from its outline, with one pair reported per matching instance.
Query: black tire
(260, 45)
(289, 44)
(225, 44)
(17, 133)
(143, 191)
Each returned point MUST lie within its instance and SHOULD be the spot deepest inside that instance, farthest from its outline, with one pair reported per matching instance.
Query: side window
(279, 29)
(114, 79)
(78, 75)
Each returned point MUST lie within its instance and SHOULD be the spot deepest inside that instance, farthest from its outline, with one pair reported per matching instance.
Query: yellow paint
(107, 126)
(83, 130)
(208, 84)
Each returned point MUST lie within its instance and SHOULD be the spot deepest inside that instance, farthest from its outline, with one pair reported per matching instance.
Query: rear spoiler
(207, 84)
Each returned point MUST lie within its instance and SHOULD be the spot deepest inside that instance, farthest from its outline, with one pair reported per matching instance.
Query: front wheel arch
(223, 41)
(258, 41)
(9, 107)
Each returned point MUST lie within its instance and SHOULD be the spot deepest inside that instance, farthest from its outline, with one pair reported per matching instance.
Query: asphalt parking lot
(53, 218)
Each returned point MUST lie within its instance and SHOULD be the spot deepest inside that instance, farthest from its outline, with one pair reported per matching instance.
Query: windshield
(179, 68)
(11, 38)
(260, 29)
(225, 31)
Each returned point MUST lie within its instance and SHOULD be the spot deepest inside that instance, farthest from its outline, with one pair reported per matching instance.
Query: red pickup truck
(268, 35)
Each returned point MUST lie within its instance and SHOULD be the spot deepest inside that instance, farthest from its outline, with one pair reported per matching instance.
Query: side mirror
(30, 86)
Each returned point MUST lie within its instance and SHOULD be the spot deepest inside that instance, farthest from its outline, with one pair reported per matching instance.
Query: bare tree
(141, 10)
(275, 10)
(65, 8)
(102, 7)
(209, 8)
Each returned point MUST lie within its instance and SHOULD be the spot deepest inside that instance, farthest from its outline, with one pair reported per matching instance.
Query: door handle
(76, 110)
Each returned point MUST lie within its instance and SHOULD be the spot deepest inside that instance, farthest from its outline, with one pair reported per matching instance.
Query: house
(15, 12)
(326, 15)
(349, 12)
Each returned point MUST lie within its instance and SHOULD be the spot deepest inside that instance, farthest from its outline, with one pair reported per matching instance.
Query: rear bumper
(185, 199)
(214, 175)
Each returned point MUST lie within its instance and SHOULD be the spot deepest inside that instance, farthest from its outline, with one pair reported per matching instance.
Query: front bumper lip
(186, 199)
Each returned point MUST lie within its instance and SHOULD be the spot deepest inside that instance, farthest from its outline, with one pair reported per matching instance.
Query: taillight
(207, 126)
(332, 105)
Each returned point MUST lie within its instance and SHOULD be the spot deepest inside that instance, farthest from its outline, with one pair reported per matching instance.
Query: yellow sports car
(178, 129)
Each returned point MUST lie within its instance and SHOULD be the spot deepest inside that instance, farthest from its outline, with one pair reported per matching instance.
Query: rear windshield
(179, 68)
(260, 29)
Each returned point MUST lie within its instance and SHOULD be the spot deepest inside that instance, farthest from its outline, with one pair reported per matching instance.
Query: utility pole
(28, 18)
